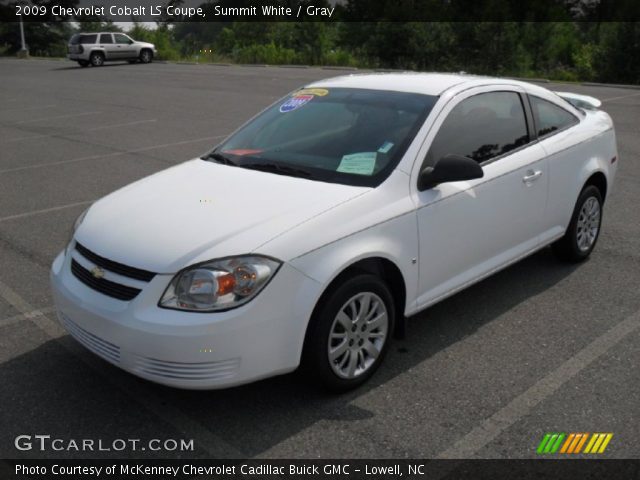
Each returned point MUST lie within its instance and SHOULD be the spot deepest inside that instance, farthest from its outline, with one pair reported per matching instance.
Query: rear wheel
(349, 333)
(146, 56)
(83, 63)
(582, 233)
(97, 59)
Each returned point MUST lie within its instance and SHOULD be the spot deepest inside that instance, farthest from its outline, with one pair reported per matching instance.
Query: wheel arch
(599, 180)
(146, 49)
(380, 266)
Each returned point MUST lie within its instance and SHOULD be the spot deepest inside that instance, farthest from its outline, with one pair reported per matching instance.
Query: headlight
(219, 284)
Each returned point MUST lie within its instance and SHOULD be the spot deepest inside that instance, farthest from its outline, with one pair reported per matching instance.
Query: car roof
(415, 82)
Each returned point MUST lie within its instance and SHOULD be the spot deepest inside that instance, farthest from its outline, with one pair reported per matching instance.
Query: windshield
(340, 135)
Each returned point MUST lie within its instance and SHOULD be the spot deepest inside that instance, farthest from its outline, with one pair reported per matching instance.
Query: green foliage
(569, 51)
(584, 61)
(617, 58)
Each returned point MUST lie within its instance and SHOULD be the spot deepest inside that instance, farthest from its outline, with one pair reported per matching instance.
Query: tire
(96, 59)
(584, 229)
(146, 56)
(344, 347)
(83, 63)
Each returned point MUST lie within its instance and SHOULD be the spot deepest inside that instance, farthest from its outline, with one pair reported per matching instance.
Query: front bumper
(187, 349)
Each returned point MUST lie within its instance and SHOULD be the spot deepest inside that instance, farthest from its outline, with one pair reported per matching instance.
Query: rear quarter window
(550, 117)
(83, 39)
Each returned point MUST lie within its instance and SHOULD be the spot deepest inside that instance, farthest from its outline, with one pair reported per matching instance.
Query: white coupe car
(313, 231)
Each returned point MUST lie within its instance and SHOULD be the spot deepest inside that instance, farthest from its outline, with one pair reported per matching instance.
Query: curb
(532, 80)
(347, 69)
(611, 85)
(291, 66)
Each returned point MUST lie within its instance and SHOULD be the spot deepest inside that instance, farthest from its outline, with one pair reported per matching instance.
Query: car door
(124, 46)
(468, 229)
(110, 48)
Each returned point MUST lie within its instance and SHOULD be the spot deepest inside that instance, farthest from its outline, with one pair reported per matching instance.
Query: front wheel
(582, 233)
(146, 56)
(349, 333)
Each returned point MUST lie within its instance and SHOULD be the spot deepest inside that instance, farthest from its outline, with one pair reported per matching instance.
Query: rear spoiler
(580, 101)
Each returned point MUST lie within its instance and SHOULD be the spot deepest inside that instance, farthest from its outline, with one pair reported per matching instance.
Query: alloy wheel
(358, 335)
(588, 224)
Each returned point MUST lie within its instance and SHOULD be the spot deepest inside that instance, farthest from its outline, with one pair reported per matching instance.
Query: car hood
(201, 210)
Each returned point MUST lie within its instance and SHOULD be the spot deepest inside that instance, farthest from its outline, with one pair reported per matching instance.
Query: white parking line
(26, 316)
(469, 445)
(79, 132)
(107, 155)
(57, 117)
(146, 398)
(128, 124)
(21, 109)
(44, 210)
(620, 98)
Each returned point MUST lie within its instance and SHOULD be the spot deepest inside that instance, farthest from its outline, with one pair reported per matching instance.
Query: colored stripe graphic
(568, 442)
(544, 441)
(598, 442)
(581, 442)
(572, 443)
(576, 438)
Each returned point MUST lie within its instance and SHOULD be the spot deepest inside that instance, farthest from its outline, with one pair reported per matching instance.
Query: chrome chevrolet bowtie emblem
(97, 272)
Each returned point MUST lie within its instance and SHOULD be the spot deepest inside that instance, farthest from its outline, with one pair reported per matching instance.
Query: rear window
(83, 39)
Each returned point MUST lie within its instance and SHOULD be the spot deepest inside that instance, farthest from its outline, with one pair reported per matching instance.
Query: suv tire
(96, 59)
(146, 55)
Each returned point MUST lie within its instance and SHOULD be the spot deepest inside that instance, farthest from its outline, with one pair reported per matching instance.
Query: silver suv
(100, 47)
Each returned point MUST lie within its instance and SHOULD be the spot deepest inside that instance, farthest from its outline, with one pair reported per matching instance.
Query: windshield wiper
(279, 169)
(220, 158)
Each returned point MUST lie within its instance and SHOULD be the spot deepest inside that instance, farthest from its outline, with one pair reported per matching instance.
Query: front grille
(97, 345)
(115, 267)
(102, 285)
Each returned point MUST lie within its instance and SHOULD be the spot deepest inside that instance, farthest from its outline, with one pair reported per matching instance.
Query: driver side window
(481, 127)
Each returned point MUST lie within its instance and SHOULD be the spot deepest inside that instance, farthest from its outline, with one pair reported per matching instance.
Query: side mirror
(450, 168)
(131, 42)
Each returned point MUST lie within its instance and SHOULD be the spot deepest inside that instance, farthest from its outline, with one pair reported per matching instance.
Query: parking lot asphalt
(539, 347)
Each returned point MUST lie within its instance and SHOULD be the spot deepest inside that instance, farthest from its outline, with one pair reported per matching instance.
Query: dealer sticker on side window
(294, 102)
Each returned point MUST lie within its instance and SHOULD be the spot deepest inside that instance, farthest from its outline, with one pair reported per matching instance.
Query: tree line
(571, 51)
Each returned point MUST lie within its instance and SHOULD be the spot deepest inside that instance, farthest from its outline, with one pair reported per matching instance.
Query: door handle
(532, 176)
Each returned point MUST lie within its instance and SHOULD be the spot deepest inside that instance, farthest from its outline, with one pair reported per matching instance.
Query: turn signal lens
(226, 284)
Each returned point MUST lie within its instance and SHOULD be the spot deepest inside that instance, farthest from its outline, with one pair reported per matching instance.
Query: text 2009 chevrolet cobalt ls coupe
(312, 230)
